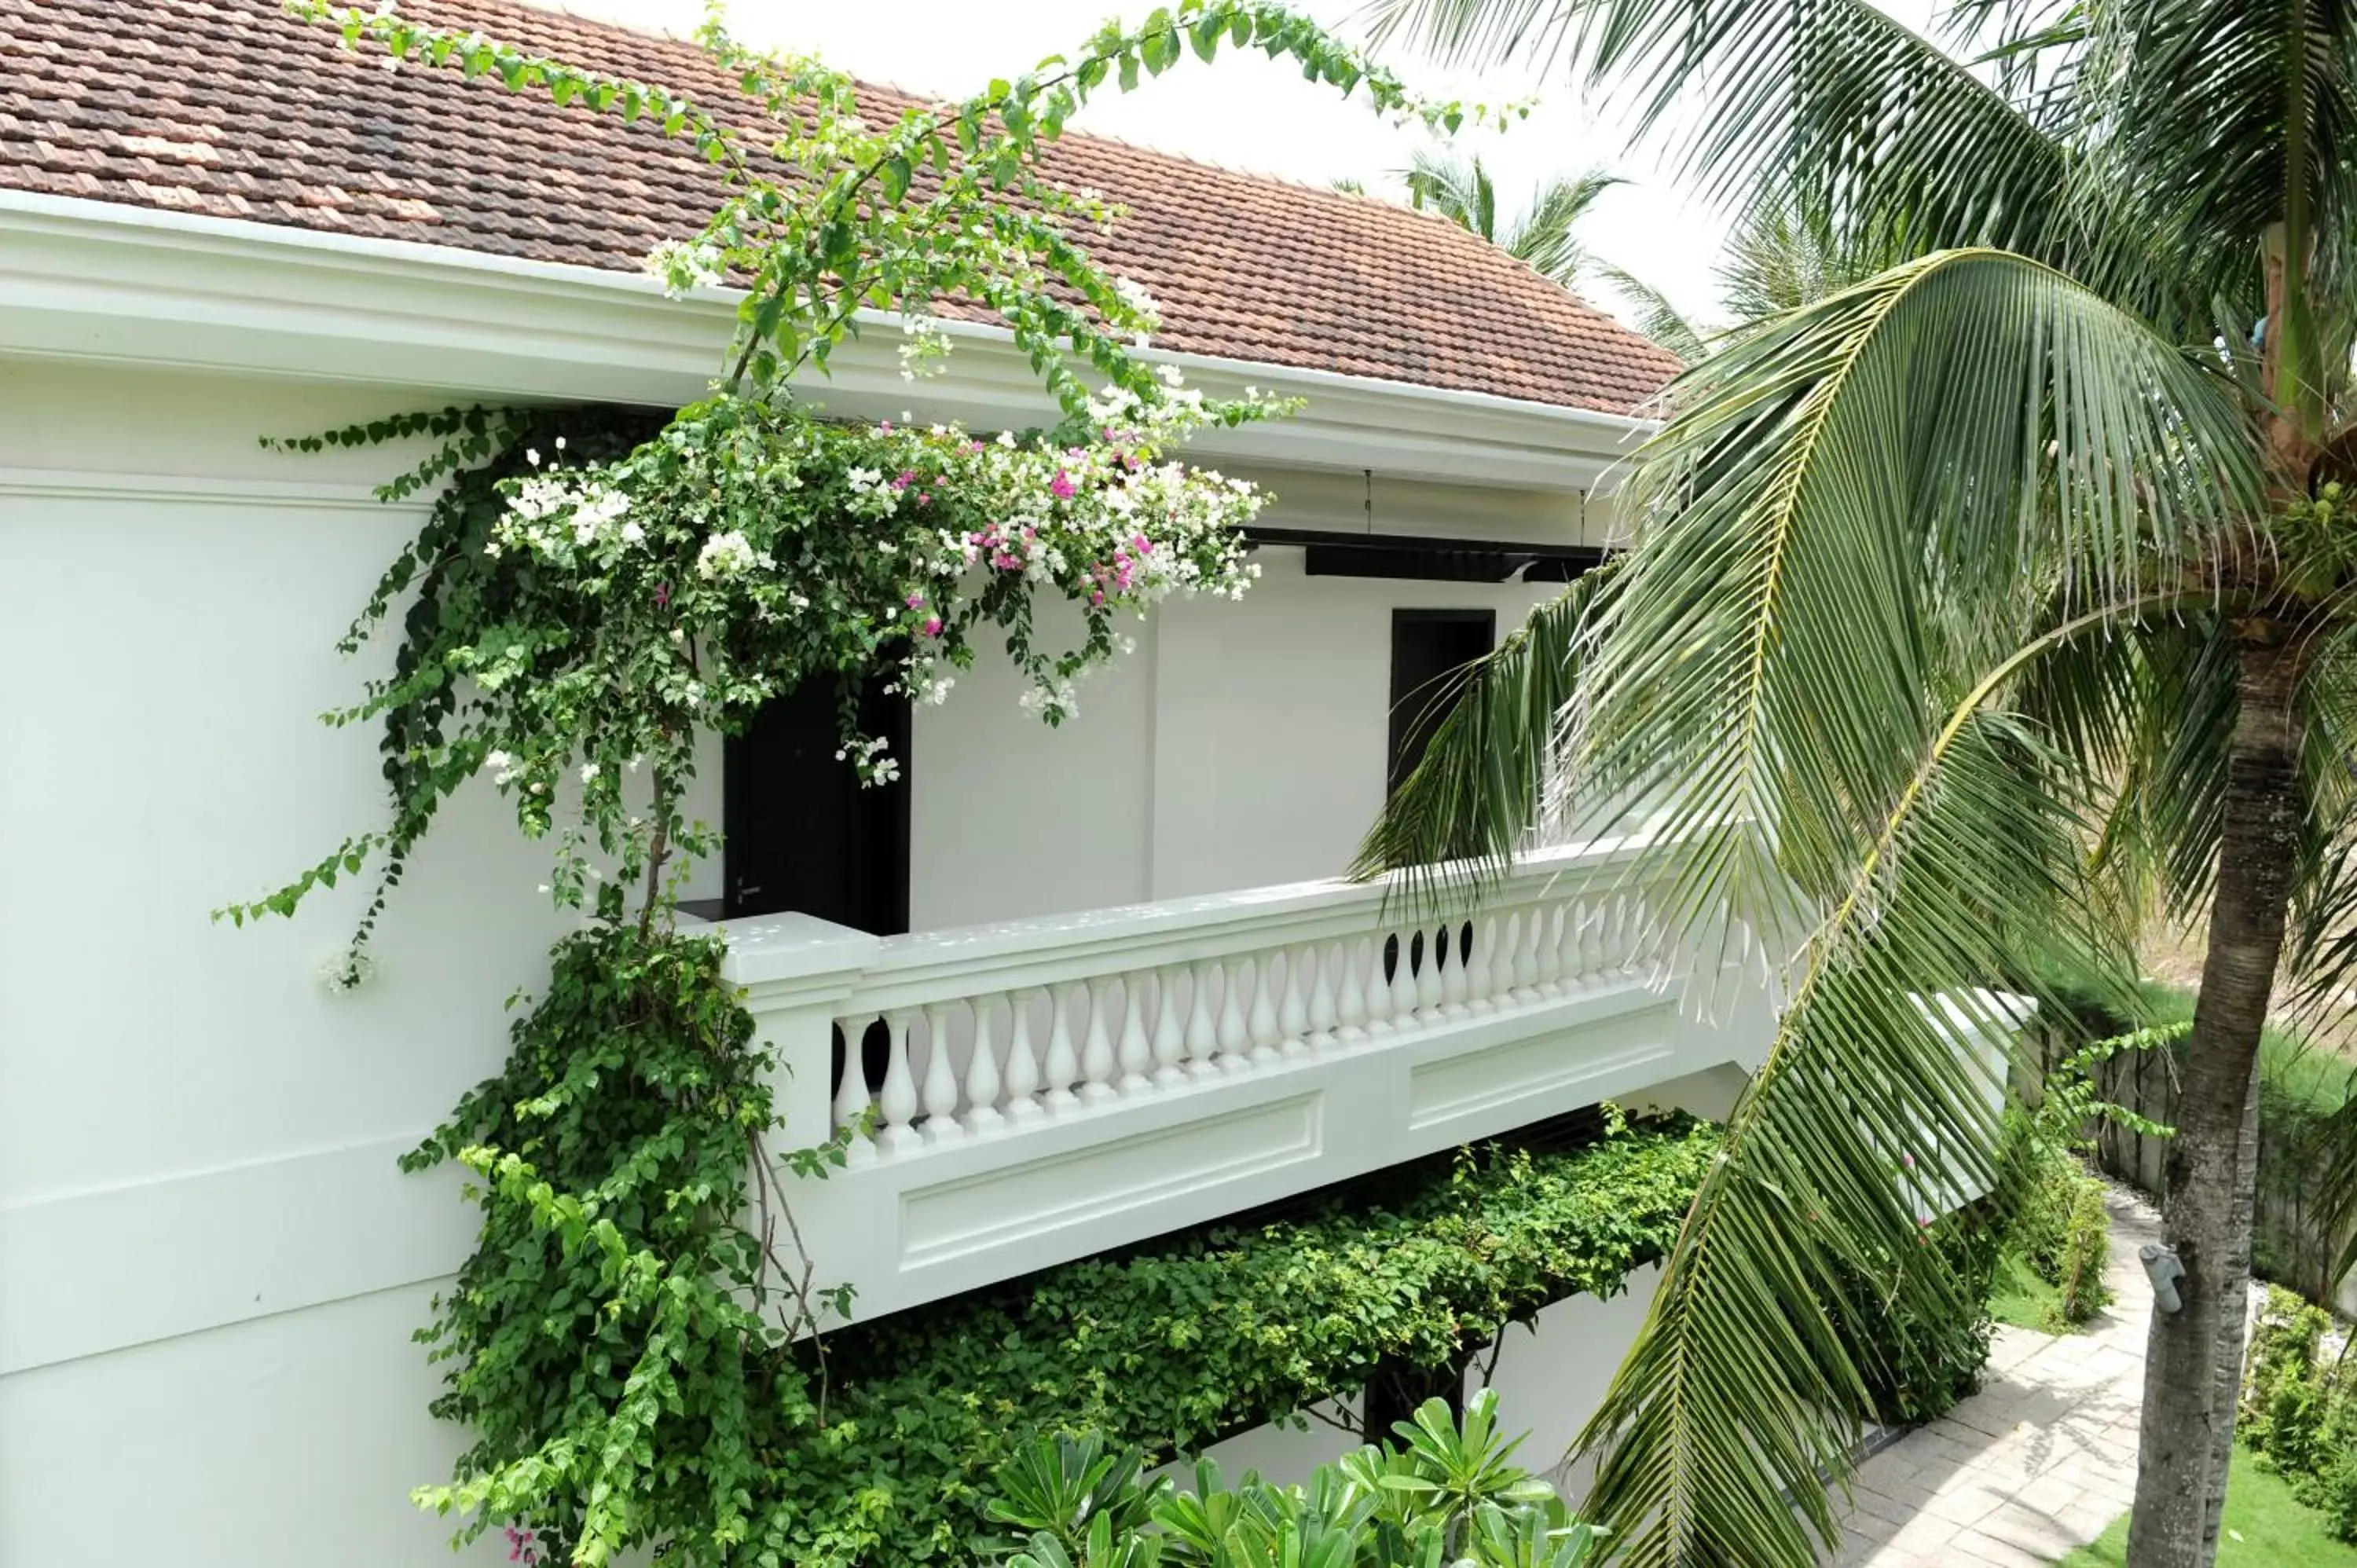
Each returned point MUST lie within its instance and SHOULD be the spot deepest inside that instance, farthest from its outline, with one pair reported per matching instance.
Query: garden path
(2042, 1459)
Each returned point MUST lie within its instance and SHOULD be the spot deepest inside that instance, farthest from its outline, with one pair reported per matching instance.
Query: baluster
(852, 1100)
(1526, 957)
(1136, 1055)
(1169, 1039)
(1591, 945)
(982, 1113)
(1232, 1034)
(1324, 958)
(1566, 948)
(1022, 1061)
(1260, 1018)
(1063, 1062)
(1292, 1005)
(1479, 981)
(1097, 1060)
(1549, 954)
(1350, 990)
(898, 1100)
(1202, 1029)
(1429, 990)
(940, 1090)
(1403, 980)
(1628, 916)
(1379, 987)
(1453, 989)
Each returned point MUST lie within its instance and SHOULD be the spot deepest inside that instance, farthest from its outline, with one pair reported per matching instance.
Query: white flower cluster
(868, 756)
(728, 554)
(681, 266)
(557, 516)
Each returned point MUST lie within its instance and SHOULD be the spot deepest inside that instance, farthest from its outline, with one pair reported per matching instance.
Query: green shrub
(2300, 1413)
(1446, 1490)
(1917, 1367)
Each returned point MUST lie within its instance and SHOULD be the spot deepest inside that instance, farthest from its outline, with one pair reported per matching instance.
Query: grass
(2016, 1296)
(2267, 1527)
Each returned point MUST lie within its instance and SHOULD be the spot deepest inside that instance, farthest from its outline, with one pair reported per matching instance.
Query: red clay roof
(141, 103)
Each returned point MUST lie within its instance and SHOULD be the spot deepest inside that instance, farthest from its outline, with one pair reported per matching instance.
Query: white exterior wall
(209, 1265)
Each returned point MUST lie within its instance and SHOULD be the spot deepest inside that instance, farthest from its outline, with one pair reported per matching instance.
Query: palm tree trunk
(2182, 1355)
(2234, 1319)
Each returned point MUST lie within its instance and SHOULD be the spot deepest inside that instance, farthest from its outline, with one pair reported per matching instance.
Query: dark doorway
(1428, 648)
(802, 833)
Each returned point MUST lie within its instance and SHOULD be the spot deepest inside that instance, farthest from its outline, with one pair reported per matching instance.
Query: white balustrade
(1190, 995)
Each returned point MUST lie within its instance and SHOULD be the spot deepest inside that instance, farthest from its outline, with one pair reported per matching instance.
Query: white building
(209, 1267)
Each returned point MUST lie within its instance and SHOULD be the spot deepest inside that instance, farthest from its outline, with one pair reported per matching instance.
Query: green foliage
(1917, 1364)
(1446, 1492)
(2299, 1408)
(619, 1342)
(624, 1341)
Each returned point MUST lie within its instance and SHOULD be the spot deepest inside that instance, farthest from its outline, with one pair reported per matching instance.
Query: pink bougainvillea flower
(662, 595)
(1061, 487)
(915, 600)
(932, 626)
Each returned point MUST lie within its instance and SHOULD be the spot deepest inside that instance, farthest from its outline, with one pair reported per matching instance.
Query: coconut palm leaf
(1656, 317)
(1830, 97)
(1482, 783)
(1545, 237)
(1846, 568)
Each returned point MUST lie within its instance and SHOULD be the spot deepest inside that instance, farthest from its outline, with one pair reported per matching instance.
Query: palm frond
(1458, 190)
(1864, 522)
(1781, 99)
(1484, 776)
(1870, 1116)
(1958, 444)
(1657, 318)
(2230, 117)
(1545, 237)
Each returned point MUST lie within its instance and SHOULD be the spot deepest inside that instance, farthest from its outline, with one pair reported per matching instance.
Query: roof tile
(232, 108)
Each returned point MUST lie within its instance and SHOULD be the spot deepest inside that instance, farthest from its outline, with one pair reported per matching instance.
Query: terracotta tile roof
(144, 103)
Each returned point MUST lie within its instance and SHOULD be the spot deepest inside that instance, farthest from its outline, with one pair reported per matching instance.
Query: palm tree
(2013, 567)
(1461, 190)
(1778, 259)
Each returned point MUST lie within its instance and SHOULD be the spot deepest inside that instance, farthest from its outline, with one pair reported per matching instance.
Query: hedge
(1172, 1346)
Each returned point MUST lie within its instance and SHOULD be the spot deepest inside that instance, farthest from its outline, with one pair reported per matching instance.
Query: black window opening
(802, 834)
(1430, 649)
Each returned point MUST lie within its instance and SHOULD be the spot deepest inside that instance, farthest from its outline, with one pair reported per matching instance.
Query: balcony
(1022, 1094)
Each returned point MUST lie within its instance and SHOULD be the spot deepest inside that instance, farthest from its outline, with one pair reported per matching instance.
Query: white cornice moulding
(82, 484)
(110, 283)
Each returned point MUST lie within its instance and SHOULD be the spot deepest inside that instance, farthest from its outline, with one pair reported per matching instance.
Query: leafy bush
(1917, 1367)
(2060, 1229)
(1446, 1492)
(2300, 1413)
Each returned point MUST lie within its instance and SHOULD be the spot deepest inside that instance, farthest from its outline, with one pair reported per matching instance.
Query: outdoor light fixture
(2160, 1266)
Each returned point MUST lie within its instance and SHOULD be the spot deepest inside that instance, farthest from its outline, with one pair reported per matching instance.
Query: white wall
(209, 1265)
(1243, 744)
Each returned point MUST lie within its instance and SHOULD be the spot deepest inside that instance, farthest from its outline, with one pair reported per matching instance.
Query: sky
(1246, 111)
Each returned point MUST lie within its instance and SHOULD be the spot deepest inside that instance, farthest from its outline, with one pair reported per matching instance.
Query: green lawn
(2267, 1527)
(2016, 1296)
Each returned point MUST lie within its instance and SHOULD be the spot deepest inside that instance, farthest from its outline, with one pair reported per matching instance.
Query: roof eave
(143, 286)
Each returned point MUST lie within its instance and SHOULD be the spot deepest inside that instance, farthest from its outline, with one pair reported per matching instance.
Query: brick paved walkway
(2042, 1459)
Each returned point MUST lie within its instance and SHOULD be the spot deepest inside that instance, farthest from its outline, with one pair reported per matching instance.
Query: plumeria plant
(632, 1344)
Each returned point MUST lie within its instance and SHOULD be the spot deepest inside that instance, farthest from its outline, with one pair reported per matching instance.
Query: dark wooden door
(802, 833)
(1428, 648)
